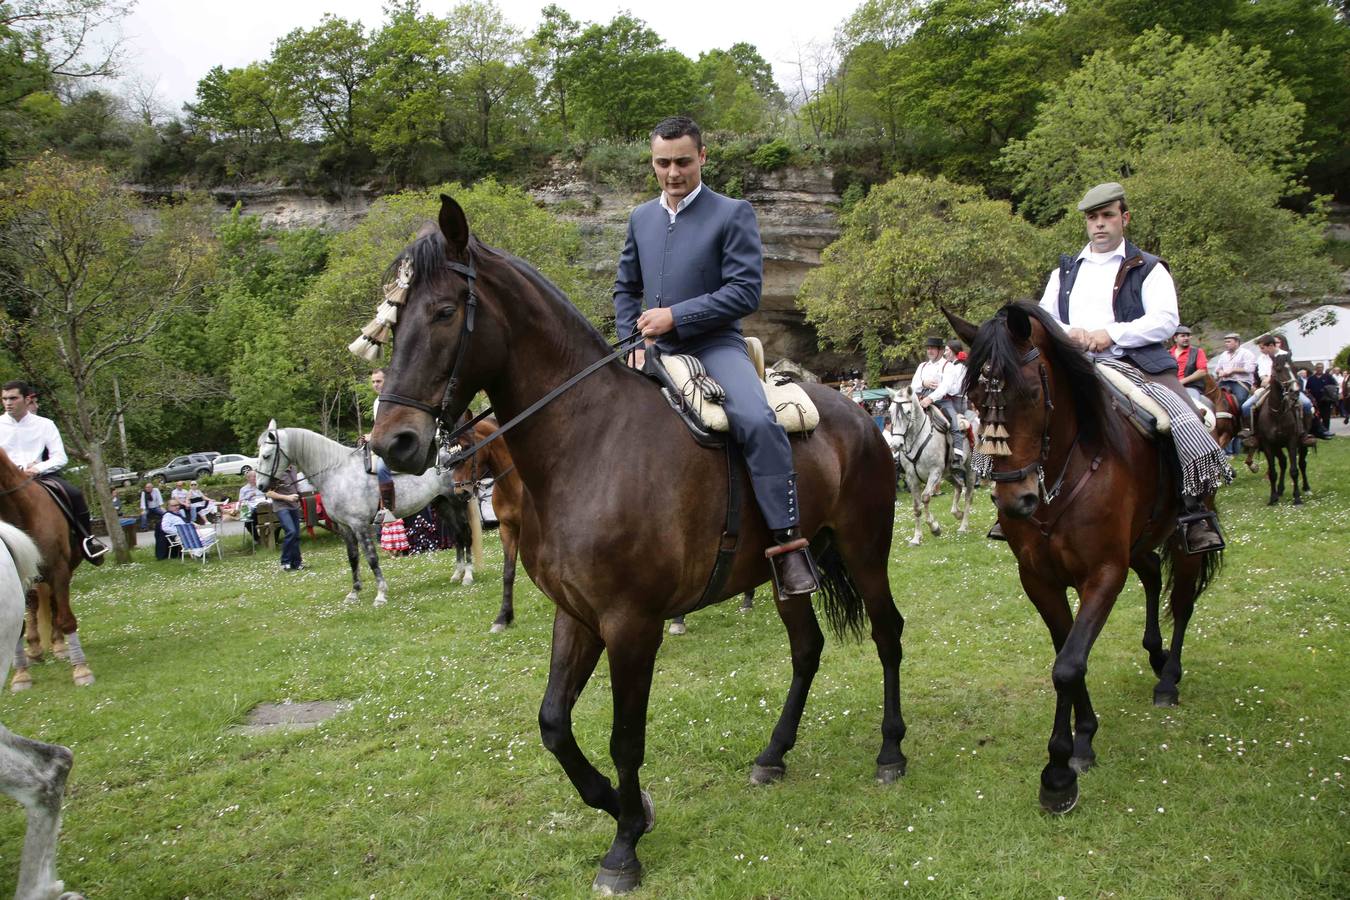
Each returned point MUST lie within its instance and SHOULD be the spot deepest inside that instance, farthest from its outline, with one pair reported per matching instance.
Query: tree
(625, 80)
(1237, 256)
(486, 56)
(1163, 94)
(913, 245)
(325, 69)
(90, 280)
(739, 92)
(410, 78)
(549, 49)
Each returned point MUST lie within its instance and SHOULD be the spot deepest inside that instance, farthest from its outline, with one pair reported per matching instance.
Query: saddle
(698, 399)
(1143, 412)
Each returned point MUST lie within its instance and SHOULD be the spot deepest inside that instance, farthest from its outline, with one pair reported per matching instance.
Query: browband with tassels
(377, 333)
(994, 430)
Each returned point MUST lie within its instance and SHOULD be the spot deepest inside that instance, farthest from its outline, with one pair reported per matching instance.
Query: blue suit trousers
(754, 427)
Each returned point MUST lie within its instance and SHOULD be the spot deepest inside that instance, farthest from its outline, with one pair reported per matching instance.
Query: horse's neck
(313, 453)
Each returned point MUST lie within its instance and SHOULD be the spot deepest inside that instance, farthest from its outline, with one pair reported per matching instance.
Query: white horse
(351, 495)
(31, 772)
(924, 456)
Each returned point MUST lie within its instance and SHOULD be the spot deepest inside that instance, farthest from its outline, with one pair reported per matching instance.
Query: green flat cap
(1101, 195)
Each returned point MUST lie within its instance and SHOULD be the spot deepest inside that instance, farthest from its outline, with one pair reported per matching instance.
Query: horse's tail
(27, 558)
(839, 596)
(1210, 565)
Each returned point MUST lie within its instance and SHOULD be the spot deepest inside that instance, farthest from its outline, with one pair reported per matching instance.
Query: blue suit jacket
(708, 267)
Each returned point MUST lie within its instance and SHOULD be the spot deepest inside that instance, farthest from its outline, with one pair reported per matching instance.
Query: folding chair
(192, 543)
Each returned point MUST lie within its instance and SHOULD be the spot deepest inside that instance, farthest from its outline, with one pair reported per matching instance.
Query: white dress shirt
(931, 374)
(1236, 365)
(1090, 306)
(679, 207)
(952, 380)
(25, 440)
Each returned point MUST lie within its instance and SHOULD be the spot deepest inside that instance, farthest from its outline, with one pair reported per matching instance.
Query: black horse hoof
(1166, 698)
(1081, 764)
(889, 773)
(1057, 803)
(609, 882)
(766, 774)
(650, 812)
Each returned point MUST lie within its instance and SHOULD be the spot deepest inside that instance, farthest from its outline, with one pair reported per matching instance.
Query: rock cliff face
(797, 210)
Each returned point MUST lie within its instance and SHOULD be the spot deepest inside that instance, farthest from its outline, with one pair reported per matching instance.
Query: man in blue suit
(693, 258)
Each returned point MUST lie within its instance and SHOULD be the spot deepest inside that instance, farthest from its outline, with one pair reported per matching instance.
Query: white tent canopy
(1316, 336)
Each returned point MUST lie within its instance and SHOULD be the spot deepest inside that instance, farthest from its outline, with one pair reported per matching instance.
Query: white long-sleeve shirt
(953, 378)
(930, 375)
(24, 440)
(1090, 305)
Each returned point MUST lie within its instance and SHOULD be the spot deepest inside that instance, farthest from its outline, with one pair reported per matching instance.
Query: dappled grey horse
(351, 495)
(31, 772)
(924, 455)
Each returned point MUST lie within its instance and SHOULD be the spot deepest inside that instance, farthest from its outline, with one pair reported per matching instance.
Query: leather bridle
(1037, 467)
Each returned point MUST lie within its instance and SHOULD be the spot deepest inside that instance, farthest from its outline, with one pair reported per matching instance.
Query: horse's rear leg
(865, 555)
(65, 623)
(1293, 449)
(930, 490)
(1272, 476)
(1148, 566)
(632, 659)
(806, 643)
(353, 559)
(917, 495)
(1303, 466)
(1187, 570)
(32, 629)
(507, 614)
(34, 774)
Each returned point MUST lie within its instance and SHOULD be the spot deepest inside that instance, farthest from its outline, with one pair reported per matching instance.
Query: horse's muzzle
(1019, 505)
(406, 443)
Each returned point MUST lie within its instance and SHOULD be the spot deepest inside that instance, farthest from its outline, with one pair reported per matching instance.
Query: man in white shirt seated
(176, 514)
(34, 444)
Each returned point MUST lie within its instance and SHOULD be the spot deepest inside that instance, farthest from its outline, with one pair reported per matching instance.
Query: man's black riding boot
(91, 547)
(1199, 527)
(794, 572)
(996, 533)
(386, 511)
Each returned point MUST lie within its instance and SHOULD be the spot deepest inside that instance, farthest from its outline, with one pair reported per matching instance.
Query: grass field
(435, 784)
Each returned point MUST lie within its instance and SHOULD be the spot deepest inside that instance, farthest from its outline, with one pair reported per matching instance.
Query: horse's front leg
(915, 496)
(934, 480)
(1059, 778)
(631, 648)
(1271, 477)
(507, 614)
(1294, 447)
(353, 560)
(1187, 570)
(370, 547)
(806, 642)
(64, 622)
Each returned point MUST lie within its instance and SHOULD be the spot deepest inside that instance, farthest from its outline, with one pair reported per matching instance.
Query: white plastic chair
(191, 542)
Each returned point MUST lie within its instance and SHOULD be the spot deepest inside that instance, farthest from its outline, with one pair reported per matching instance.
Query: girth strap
(731, 538)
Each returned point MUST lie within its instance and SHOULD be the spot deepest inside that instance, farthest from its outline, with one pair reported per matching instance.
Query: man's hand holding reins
(656, 321)
(1095, 341)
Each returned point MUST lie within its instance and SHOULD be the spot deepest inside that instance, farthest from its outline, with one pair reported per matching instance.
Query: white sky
(175, 42)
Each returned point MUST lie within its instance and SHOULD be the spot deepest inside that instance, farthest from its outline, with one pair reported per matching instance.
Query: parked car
(120, 477)
(233, 464)
(194, 465)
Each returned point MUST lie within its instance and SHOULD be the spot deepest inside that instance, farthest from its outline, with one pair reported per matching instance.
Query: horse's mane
(427, 253)
(994, 347)
(319, 452)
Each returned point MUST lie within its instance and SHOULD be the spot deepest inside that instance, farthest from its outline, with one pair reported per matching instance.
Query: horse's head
(1021, 362)
(902, 410)
(272, 458)
(449, 341)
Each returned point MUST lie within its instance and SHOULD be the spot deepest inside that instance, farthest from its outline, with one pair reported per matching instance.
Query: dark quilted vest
(1127, 303)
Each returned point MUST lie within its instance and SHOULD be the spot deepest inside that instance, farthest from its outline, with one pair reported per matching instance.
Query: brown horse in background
(1227, 412)
(27, 505)
(625, 511)
(508, 494)
(1111, 506)
(1279, 428)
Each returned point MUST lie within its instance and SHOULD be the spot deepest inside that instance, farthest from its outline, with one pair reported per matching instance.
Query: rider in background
(385, 512)
(1192, 366)
(954, 401)
(34, 444)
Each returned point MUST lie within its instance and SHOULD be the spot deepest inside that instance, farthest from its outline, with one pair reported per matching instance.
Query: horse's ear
(454, 224)
(272, 425)
(964, 330)
(1019, 323)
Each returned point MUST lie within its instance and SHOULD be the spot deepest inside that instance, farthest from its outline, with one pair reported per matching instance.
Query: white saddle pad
(795, 411)
(1137, 396)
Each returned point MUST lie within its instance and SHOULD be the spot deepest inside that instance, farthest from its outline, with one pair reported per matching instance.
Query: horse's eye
(444, 313)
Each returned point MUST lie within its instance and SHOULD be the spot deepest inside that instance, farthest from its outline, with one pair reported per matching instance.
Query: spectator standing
(152, 506)
(285, 497)
(1323, 391)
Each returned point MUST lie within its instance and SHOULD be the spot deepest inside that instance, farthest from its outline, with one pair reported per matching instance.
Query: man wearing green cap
(1119, 304)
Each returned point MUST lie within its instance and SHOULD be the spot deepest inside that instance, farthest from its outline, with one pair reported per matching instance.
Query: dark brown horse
(508, 494)
(1227, 412)
(27, 505)
(1279, 428)
(624, 511)
(1111, 506)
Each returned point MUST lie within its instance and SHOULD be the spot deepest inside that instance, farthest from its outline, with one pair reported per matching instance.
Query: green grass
(436, 785)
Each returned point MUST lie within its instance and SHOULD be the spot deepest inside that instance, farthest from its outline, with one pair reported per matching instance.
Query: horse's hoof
(677, 628)
(1057, 803)
(497, 628)
(1166, 698)
(1298, 501)
(21, 681)
(34, 656)
(609, 882)
(936, 529)
(71, 895)
(914, 542)
(1081, 764)
(889, 773)
(353, 597)
(82, 676)
(650, 811)
(468, 579)
(380, 600)
(760, 775)
(60, 649)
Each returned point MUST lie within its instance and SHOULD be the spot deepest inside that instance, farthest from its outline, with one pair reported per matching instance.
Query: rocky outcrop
(283, 207)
